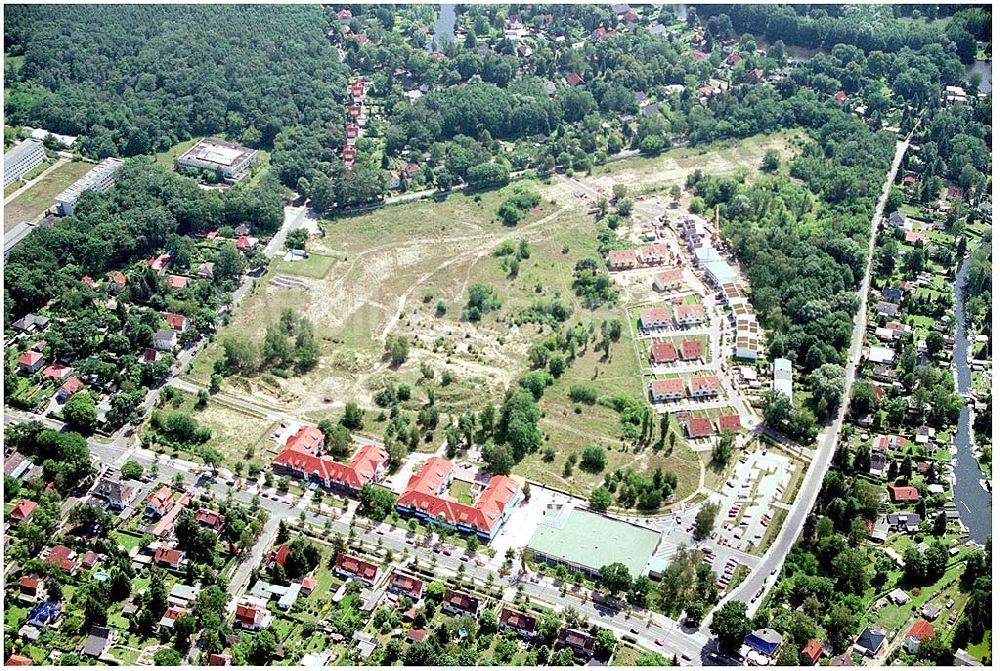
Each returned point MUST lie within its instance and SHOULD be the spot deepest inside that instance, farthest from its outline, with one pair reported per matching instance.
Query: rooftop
(593, 540)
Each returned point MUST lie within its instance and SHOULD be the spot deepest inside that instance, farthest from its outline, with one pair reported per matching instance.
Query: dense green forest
(134, 79)
(804, 246)
(870, 27)
(147, 208)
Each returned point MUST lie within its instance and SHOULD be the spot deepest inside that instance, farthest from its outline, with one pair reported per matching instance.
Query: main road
(754, 588)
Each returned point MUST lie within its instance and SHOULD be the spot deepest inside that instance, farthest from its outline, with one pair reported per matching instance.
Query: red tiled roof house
(671, 389)
(350, 566)
(407, 585)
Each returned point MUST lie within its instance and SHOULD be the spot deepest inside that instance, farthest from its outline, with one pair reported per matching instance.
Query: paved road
(764, 577)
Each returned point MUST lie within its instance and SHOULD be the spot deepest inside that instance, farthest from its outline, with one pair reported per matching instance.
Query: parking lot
(746, 499)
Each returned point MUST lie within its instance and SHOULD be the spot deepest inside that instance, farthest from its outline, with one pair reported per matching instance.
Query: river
(444, 27)
(975, 504)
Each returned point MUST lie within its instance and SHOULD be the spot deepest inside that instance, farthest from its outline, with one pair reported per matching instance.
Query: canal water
(444, 27)
(975, 504)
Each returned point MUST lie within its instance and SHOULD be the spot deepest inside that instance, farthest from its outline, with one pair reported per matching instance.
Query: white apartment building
(99, 178)
(22, 158)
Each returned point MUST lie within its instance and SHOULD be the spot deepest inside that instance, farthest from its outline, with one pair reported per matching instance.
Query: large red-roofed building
(425, 497)
(303, 458)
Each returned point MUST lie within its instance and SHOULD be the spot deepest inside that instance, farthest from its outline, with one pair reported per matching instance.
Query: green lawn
(983, 649)
(462, 491)
(168, 157)
(127, 540)
(31, 204)
(315, 265)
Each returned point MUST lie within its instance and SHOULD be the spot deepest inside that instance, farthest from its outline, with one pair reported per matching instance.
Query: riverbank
(972, 498)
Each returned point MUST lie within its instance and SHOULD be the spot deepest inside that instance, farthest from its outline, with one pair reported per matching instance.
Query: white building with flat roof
(98, 178)
(229, 159)
(22, 158)
(40, 134)
(783, 377)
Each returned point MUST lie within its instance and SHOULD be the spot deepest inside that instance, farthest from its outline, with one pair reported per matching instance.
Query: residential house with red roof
(245, 243)
(357, 89)
(22, 511)
(349, 154)
(279, 555)
(582, 643)
(350, 566)
(519, 622)
(405, 584)
(662, 352)
(168, 557)
(699, 427)
(704, 386)
(654, 254)
(809, 656)
(903, 493)
(573, 79)
(29, 362)
(177, 281)
(220, 659)
(303, 458)
(918, 633)
(252, 616)
(159, 263)
(888, 443)
(654, 318)
(669, 280)
(425, 497)
(621, 259)
(171, 615)
(118, 279)
(308, 585)
(56, 371)
(212, 519)
(840, 97)
(18, 660)
(158, 502)
(689, 315)
(63, 557)
(460, 603)
(692, 348)
(177, 322)
(29, 586)
(730, 421)
(664, 391)
(165, 526)
(68, 388)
